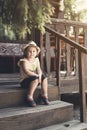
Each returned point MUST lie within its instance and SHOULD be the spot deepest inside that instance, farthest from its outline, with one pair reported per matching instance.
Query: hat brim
(31, 45)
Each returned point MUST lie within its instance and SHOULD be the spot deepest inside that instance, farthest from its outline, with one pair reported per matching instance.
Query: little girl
(31, 74)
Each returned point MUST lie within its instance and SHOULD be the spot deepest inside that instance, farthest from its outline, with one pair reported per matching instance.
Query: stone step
(70, 125)
(15, 96)
(27, 118)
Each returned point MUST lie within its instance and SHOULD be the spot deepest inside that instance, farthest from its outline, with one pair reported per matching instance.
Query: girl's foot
(31, 103)
(45, 100)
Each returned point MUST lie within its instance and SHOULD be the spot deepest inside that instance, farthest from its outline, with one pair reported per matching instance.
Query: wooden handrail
(68, 22)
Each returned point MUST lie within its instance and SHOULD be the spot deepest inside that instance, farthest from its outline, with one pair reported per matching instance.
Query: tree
(21, 16)
(71, 12)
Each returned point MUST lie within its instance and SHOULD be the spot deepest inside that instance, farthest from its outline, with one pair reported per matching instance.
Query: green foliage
(1, 29)
(23, 15)
(71, 13)
(39, 15)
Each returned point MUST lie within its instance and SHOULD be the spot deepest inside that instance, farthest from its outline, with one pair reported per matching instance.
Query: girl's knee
(35, 81)
(45, 79)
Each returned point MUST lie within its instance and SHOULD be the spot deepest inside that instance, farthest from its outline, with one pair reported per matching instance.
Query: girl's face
(31, 52)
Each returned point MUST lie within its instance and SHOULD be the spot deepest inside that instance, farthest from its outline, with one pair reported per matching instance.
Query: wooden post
(76, 29)
(81, 61)
(68, 52)
(85, 44)
(58, 52)
(42, 52)
(48, 56)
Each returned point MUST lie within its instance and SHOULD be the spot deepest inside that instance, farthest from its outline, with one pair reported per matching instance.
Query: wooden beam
(42, 51)
(68, 52)
(48, 56)
(81, 61)
(58, 52)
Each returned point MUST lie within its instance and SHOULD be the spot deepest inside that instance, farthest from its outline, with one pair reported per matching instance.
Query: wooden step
(70, 85)
(70, 125)
(9, 79)
(15, 96)
(26, 118)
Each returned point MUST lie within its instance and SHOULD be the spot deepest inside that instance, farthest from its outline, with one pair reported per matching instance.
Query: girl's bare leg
(32, 89)
(45, 92)
(45, 87)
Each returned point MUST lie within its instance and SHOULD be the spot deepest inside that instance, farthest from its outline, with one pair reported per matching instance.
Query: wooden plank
(14, 95)
(76, 51)
(69, 22)
(85, 43)
(58, 53)
(68, 52)
(81, 60)
(42, 52)
(70, 125)
(48, 56)
(26, 118)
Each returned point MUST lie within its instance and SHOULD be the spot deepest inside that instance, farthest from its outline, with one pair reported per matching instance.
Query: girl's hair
(26, 52)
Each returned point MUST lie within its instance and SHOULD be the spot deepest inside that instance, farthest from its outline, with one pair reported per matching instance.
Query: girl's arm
(39, 72)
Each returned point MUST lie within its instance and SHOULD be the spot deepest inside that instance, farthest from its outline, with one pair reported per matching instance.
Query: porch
(68, 81)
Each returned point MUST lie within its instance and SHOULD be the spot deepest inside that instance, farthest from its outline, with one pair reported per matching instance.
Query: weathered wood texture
(26, 118)
(14, 96)
(71, 125)
(82, 88)
(81, 50)
(70, 29)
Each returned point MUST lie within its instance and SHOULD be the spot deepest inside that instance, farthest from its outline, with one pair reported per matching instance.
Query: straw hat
(31, 44)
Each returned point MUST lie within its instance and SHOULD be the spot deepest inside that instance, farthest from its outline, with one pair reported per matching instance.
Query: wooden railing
(75, 31)
(81, 64)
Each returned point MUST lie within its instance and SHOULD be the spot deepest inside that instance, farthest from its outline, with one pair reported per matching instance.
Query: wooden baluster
(85, 37)
(81, 61)
(68, 52)
(58, 53)
(48, 56)
(76, 29)
(42, 52)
